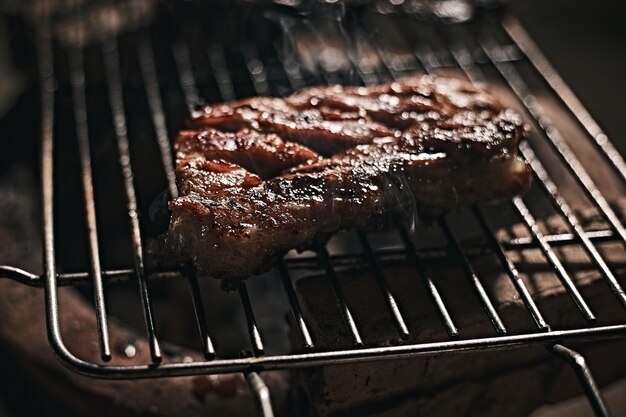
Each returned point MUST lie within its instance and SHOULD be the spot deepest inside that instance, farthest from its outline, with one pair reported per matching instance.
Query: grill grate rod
(220, 72)
(574, 358)
(327, 75)
(227, 92)
(465, 62)
(278, 361)
(192, 99)
(306, 262)
(475, 281)
(256, 383)
(551, 77)
(151, 83)
(261, 392)
(116, 100)
(554, 261)
(563, 239)
(529, 101)
(548, 186)
(365, 74)
(186, 78)
(555, 139)
(390, 300)
(512, 271)
(585, 377)
(52, 307)
(256, 69)
(412, 254)
(346, 313)
(500, 252)
(395, 69)
(410, 249)
(47, 91)
(531, 224)
(321, 251)
(305, 335)
(290, 67)
(253, 329)
(198, 308)
(77, 79)
(526, 216)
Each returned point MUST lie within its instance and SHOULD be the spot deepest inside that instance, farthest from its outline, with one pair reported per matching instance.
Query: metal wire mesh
(491, 50)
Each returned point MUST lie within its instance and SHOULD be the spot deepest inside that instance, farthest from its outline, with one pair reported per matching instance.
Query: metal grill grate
(488, 50)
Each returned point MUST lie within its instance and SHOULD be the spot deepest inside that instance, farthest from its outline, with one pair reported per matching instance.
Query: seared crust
(325, 130)
(265, 155)
(425, 145)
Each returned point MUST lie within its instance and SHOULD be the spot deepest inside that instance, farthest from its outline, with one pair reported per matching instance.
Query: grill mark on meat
(399, 104)
(265, 155)
(262, 176)
(326, 131)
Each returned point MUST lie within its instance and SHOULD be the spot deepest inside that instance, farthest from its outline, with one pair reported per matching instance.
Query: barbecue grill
(149, 78)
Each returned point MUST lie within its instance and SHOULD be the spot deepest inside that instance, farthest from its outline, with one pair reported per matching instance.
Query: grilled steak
(261, 176)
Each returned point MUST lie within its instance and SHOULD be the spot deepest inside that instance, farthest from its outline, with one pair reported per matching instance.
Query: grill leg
(261, 392)
(585, 377)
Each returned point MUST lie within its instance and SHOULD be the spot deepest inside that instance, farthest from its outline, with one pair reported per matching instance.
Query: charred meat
(261, 176)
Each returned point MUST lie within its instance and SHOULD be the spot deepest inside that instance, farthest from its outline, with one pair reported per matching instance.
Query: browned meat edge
(261, 176)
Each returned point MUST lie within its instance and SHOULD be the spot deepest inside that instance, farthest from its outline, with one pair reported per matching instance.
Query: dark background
(586, 42)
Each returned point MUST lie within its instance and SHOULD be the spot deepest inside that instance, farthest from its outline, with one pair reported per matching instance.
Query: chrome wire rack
(493, 48)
